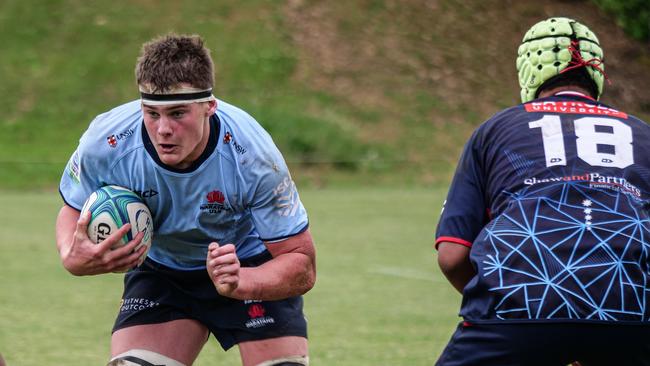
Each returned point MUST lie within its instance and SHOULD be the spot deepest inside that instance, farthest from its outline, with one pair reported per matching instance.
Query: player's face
(179, 132)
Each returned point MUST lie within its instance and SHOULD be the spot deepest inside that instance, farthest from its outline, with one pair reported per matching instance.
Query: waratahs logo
(258, 317)
(256, 311)
(215, 197)
(216, 202)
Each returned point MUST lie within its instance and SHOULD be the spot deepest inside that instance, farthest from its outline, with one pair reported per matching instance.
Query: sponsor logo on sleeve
(74, 167)
(286, 198)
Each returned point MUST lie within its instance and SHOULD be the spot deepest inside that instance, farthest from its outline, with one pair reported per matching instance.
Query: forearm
(460, 276)
(289, 274)
(455, 264)
(65, 226)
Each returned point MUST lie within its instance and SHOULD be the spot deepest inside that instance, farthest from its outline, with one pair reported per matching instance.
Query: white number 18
(588, 138)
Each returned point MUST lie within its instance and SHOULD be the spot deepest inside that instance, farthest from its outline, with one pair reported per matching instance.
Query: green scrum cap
(553, 46)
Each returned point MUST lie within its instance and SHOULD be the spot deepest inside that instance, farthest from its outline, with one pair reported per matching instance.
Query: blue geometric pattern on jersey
(566, 250)
(519, 162)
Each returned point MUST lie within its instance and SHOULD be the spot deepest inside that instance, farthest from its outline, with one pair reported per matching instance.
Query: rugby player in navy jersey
(231, 254)
(546, 229)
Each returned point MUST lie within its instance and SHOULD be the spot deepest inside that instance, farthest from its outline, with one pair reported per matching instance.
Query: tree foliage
(632, 15)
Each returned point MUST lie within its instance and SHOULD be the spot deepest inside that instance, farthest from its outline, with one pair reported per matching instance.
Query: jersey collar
(573, 93)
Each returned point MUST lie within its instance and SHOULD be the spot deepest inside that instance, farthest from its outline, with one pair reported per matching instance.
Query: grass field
(379, 298)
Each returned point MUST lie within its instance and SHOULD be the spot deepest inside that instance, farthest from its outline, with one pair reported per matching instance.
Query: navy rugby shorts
(548, 344)
(154, 293)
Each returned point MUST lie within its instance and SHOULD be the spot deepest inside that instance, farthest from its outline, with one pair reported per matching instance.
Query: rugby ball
(113, 206)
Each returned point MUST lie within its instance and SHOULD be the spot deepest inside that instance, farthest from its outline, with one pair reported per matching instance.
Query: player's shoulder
(242, 133)
(111, 129)
(513, 113)
(496, 123)
(246, 144)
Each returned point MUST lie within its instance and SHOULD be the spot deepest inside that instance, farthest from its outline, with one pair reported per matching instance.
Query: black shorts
(154, 293)
(548, 344)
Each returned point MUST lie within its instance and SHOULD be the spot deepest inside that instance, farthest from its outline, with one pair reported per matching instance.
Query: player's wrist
(248, 287)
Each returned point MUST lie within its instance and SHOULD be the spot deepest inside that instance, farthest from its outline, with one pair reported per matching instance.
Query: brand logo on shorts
(132, 304)
(257, 312)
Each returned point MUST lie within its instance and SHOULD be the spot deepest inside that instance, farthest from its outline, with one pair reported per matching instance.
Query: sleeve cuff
(452, 239)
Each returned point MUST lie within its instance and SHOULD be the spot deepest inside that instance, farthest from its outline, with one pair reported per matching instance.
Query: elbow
(453, 259)
(447, 265)
(309, 280)
(72, 270)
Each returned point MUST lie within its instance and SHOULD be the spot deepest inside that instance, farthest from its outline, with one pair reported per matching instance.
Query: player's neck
(566, 88)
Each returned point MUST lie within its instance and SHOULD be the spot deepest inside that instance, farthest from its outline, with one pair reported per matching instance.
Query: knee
(141, 357)
(287, 361)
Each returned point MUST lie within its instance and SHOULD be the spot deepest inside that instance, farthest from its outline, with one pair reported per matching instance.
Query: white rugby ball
(113, 206)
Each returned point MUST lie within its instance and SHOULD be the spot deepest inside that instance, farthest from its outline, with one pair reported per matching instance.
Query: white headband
(180, 95)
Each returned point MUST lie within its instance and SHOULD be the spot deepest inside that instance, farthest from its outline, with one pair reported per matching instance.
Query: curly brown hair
(170, 60)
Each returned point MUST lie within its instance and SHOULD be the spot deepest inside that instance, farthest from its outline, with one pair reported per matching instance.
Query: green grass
(353, 91)
(379, 298)
(65, 61)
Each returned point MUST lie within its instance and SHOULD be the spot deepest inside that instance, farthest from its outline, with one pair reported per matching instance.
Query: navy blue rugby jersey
(552, 197)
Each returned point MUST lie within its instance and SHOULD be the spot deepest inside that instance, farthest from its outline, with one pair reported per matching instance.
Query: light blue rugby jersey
(239, 191)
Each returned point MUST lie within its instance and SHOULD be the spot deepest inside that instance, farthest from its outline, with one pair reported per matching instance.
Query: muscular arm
(291, 272)
(453, 260)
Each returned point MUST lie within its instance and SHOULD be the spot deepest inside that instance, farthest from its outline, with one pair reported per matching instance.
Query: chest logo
(215, 202)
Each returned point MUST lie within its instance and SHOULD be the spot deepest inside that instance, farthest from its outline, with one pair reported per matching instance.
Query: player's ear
(212, 106)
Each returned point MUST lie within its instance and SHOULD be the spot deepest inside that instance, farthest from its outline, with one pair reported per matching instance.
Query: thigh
(256, 352)
(181, 339)
(508, 345)
(627, 345)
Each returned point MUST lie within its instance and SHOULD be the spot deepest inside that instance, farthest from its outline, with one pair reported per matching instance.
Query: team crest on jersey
(215, 202)
(228, 139)
(113, 139)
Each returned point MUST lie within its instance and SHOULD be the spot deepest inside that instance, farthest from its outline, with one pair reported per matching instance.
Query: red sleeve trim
(451, 239)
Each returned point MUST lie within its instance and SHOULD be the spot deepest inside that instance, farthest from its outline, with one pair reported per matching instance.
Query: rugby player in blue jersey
(231, 254)
(546, 229)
